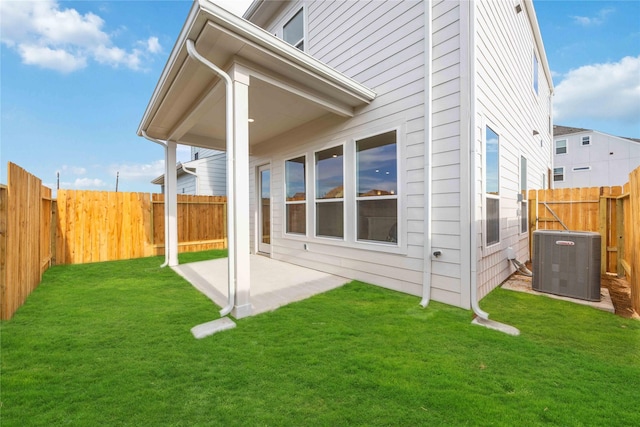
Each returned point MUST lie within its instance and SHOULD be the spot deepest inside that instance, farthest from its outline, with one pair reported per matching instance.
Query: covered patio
(273, 283)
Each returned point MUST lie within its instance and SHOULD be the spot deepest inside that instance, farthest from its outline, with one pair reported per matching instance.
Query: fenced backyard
(78, 227)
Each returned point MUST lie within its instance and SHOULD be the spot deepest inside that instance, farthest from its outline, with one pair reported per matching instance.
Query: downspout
(194, 174)
(191, 50)
(428, 141)
(473, 280)
(166, 205)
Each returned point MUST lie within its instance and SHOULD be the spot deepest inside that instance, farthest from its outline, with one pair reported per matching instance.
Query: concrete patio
(273, 283)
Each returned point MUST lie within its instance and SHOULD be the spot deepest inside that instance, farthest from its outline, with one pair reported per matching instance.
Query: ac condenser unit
(567, 263)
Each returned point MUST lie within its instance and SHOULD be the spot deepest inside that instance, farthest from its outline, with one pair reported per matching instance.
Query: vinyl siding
(507, 102)
(381, 45)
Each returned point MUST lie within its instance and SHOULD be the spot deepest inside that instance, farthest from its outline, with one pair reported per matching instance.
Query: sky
(76, 77)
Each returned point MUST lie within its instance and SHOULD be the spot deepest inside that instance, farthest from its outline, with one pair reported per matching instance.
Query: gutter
(185, 170)
(231, 246)
(428, 141)
(166, 205)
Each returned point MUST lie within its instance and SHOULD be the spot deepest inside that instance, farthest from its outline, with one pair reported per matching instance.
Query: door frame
(262, 247)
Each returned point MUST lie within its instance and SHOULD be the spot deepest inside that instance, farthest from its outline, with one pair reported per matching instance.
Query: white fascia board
(203, 11)
(533, 20)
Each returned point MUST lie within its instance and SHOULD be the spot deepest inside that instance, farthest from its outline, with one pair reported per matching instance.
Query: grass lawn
(110, 344)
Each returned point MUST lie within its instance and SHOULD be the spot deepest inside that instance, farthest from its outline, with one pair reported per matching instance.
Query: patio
(273, 283)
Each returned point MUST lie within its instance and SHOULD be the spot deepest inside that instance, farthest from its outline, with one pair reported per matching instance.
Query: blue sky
(75, 78)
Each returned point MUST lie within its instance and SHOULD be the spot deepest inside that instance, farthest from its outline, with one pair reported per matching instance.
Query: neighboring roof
(559, 130)
(186, 89)
(566, 130)
(180, 169)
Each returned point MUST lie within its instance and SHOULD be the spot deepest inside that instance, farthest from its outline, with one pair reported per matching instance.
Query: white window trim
(582, 144)
(287, 18)
(553, 177)
(555, 147)
(350, 216)
(494, 247)
(306, 197)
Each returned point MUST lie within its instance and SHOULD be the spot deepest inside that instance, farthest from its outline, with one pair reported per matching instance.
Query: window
(330, 192)
(196, 155)
(377, 188)
(535, 73)
(293, 31)
(586, 140)
(524, 219)
(492, 187)
(296, 195)
(582, 168)
(558, 174)
(561, 146)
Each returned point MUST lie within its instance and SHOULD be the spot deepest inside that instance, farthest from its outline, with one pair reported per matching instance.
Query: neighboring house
(392, 139)
(588, 158)
(204, 175)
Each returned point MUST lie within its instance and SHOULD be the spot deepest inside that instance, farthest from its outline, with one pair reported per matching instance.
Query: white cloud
(600, 91)
(74, 170)
(183, 153)
(138, 171)
(588, 21)
(46, 35)
(89, 183)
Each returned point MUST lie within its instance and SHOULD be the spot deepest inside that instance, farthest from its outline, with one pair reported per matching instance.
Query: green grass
(109, 344)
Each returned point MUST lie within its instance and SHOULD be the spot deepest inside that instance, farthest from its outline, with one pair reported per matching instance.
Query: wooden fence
(89, 226)
(614, 212)
(98, 226)
(25, 237)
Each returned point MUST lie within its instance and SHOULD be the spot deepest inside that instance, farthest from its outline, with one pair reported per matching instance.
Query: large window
(524, 212)
(330, 192)
(377, 188)
(535, 73)
(492, 187)
(293, 31)
(561, 146)
(296, 201)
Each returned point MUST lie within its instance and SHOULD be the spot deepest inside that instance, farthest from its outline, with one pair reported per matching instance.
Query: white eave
(186, 89)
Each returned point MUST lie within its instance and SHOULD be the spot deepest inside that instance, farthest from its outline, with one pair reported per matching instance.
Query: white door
(264, 209)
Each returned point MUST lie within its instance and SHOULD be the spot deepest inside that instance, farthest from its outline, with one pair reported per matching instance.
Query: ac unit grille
(567, 263)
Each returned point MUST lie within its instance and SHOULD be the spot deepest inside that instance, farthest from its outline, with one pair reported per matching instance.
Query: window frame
(562, 174)
(566, 146)
(588, 141)
(288, 20)
(395, 196)
(304, 202)
(486, 195)
(317, 200)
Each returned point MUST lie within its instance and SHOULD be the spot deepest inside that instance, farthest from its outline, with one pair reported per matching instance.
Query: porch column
(171, 201)
(242, 307)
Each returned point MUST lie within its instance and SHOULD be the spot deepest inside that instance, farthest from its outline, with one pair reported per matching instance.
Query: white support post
(171, 200)
(242, 306)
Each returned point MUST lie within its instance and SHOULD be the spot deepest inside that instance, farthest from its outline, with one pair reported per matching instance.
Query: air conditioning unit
(567, 263)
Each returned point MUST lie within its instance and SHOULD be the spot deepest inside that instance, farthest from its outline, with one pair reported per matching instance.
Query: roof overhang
(181, 169)
(287, 87)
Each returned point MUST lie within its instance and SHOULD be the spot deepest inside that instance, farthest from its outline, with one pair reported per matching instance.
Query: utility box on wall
(567, 263)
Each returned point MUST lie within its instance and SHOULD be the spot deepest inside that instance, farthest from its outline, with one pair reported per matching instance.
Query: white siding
(508, 103)
(610, 158)
(380, 44)
(186, 184)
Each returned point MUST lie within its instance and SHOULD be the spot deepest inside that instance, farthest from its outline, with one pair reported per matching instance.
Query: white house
(393, 138)
(203, 175)
(588, 158)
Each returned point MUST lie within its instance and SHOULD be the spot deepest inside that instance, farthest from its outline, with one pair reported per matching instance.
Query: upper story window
(586, 140)
(561, 146)
(293, 31)
(196, 155)
(492, 187)
(558, 174)
(535, 73)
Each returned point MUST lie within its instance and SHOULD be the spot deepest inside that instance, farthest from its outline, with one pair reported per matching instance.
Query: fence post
(602, 224)
(3, 249)
(620, 236)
